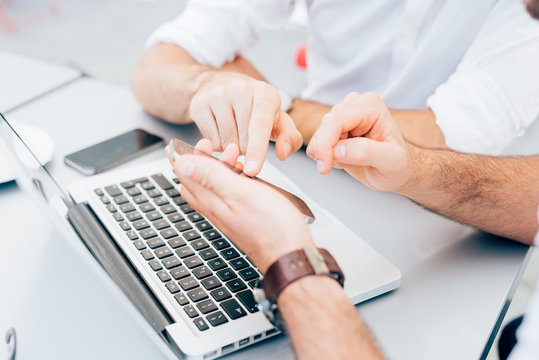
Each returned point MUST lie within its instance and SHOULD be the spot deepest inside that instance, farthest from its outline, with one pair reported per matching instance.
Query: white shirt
(474, 63)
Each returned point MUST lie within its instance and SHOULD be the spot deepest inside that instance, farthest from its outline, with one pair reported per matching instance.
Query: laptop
(188, 280)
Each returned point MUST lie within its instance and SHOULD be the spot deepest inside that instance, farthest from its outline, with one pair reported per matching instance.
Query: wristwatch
(287, 269)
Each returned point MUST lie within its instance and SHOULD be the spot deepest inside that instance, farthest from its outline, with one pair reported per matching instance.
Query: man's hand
(361, 136)
(232, 108)
(258, 219)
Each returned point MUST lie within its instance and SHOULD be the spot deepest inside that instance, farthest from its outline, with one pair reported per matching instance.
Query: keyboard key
(131, 183)
(203, 226)
(220, 244)
(161, 200)
(139, 244)
(155, 243)
(197, 295)
(133, 216)
(206, 306)
(105, 200)
(146, 185)
(200, 324)
(212, 234)
(252, 283)
(161, 224)
(113, 190)
(175, 217)
(125, 208)
(168, 233)
(147, 255)
(233, 309)
(162, 182)
(183, 225)
(199, 244)
(172, 287)
(176, 243)
(140, 199)
(117, 216)
(179, 273)
(132, 235)
(217, 318)
(187, 209)
(238, 264)
(163, 276)
(190, 235)
(154, 193)
(154, 215)
(171, 262)
(168, 209)
(229, 253)
(190, 311)
(188, 283)
(155, 265)
(194, 217)
(99, 192)
(193, 262)
(179, 201)
(147, 233)
(248, 274)
(141, 224)
(111, 208)
(147, 207)
(207, 254)
(181, 299)
(163, 252)
(236, 285)
(125, 225)
(220, 294)
(120, 199)
(202, 272)
(226, 274)
(133, 191)
(247, 299)
(175, 180)
(217, 264)
(172, 193)
(184, 252)
(211, 283)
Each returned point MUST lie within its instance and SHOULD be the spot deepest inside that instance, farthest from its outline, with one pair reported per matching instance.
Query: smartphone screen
(112, 152)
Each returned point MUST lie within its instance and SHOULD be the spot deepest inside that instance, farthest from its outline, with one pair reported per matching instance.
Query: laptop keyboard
(202, 270)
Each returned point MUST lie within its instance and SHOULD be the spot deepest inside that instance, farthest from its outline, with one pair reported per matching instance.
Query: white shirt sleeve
(215, 31)
(493, 96)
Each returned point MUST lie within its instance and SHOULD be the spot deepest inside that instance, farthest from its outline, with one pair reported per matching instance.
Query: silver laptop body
(163, 254)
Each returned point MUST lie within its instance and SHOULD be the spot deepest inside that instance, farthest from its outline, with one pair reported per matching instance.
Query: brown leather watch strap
(298, 264)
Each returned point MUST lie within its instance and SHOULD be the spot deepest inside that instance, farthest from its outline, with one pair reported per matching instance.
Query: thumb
(208, 173)
(287, 137)
(361, 151)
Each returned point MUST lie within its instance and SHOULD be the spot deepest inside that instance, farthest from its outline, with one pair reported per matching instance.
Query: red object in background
(301, 56)
(53, 7)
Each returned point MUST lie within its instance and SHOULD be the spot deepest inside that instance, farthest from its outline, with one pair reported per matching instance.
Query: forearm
(419, 127)
(322, 322)
(497, 194)
(165, 80)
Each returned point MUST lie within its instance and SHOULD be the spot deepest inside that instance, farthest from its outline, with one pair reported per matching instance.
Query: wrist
(414, 165)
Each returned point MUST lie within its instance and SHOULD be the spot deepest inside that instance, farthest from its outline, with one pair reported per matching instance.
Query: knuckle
(239, 87)
(373, 97)
(352, 97)
(197, 107)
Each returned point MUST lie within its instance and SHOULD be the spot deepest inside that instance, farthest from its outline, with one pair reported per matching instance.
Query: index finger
(265, 110)
(339, 121)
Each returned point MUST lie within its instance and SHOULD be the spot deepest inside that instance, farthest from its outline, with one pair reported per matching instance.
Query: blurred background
(105, 39)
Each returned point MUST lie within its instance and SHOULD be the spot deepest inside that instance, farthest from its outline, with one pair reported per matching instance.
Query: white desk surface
(23, 79)
(455, 281)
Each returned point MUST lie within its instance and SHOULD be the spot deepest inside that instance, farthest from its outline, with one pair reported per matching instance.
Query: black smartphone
(113, 152)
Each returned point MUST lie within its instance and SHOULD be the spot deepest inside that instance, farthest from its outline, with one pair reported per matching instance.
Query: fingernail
(185, 169)
(340, 151)
(250, 166)
(173, 154)
(321, 166)
(287, 148)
